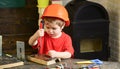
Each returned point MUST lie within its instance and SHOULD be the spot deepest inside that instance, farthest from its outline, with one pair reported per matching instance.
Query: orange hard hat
(57, 11)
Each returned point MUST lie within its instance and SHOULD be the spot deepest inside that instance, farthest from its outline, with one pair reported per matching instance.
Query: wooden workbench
(70, 63)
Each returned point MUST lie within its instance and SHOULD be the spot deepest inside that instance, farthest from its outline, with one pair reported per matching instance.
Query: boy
(53, 42)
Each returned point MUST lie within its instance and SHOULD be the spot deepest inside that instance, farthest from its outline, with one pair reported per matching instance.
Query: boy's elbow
(32, 43)
(68, 55)
(29, 43)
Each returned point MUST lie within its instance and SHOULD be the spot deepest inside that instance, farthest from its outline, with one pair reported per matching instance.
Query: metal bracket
(0, 45)
(20, 50)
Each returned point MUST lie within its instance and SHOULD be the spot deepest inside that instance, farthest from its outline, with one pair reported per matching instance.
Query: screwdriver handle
(42, 24)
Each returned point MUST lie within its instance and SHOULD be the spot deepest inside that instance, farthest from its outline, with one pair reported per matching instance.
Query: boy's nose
(50, 30)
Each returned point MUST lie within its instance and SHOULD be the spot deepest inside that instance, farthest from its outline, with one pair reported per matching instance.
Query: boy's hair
(53, 20)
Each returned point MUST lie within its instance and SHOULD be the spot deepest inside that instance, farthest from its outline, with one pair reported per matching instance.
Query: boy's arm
(33, 39)
(65, 54)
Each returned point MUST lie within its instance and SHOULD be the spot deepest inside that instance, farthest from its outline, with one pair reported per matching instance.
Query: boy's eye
(47, 27)
(54, 28)
(51, 28)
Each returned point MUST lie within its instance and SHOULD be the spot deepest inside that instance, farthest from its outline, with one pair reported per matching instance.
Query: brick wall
(18, 24)
(113, 8)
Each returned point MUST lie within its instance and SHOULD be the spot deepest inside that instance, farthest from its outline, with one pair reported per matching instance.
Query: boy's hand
(52, 53)
(41, 32)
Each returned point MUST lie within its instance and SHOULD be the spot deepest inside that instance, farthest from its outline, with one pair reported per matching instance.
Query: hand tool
(20, 50)
(94, 61)
(41, 27)
(8, 55)
(42, 24)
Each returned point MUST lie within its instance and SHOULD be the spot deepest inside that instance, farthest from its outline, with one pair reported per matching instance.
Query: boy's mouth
(51, 34)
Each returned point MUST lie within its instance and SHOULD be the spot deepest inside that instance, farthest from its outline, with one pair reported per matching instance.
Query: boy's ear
(62, 27)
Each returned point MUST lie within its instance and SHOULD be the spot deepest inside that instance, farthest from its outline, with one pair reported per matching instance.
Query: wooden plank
(42, 60)
(11, 65)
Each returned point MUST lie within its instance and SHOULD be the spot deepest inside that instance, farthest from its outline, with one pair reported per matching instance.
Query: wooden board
(11, 65)
(44, 60)
(8, 62)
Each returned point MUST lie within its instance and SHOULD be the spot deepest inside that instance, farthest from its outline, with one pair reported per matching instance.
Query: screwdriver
(41, 27)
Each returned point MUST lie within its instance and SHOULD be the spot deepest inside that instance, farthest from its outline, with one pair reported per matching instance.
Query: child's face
(53, 30)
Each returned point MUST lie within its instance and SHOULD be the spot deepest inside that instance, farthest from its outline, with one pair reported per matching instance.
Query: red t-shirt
(61, 44)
